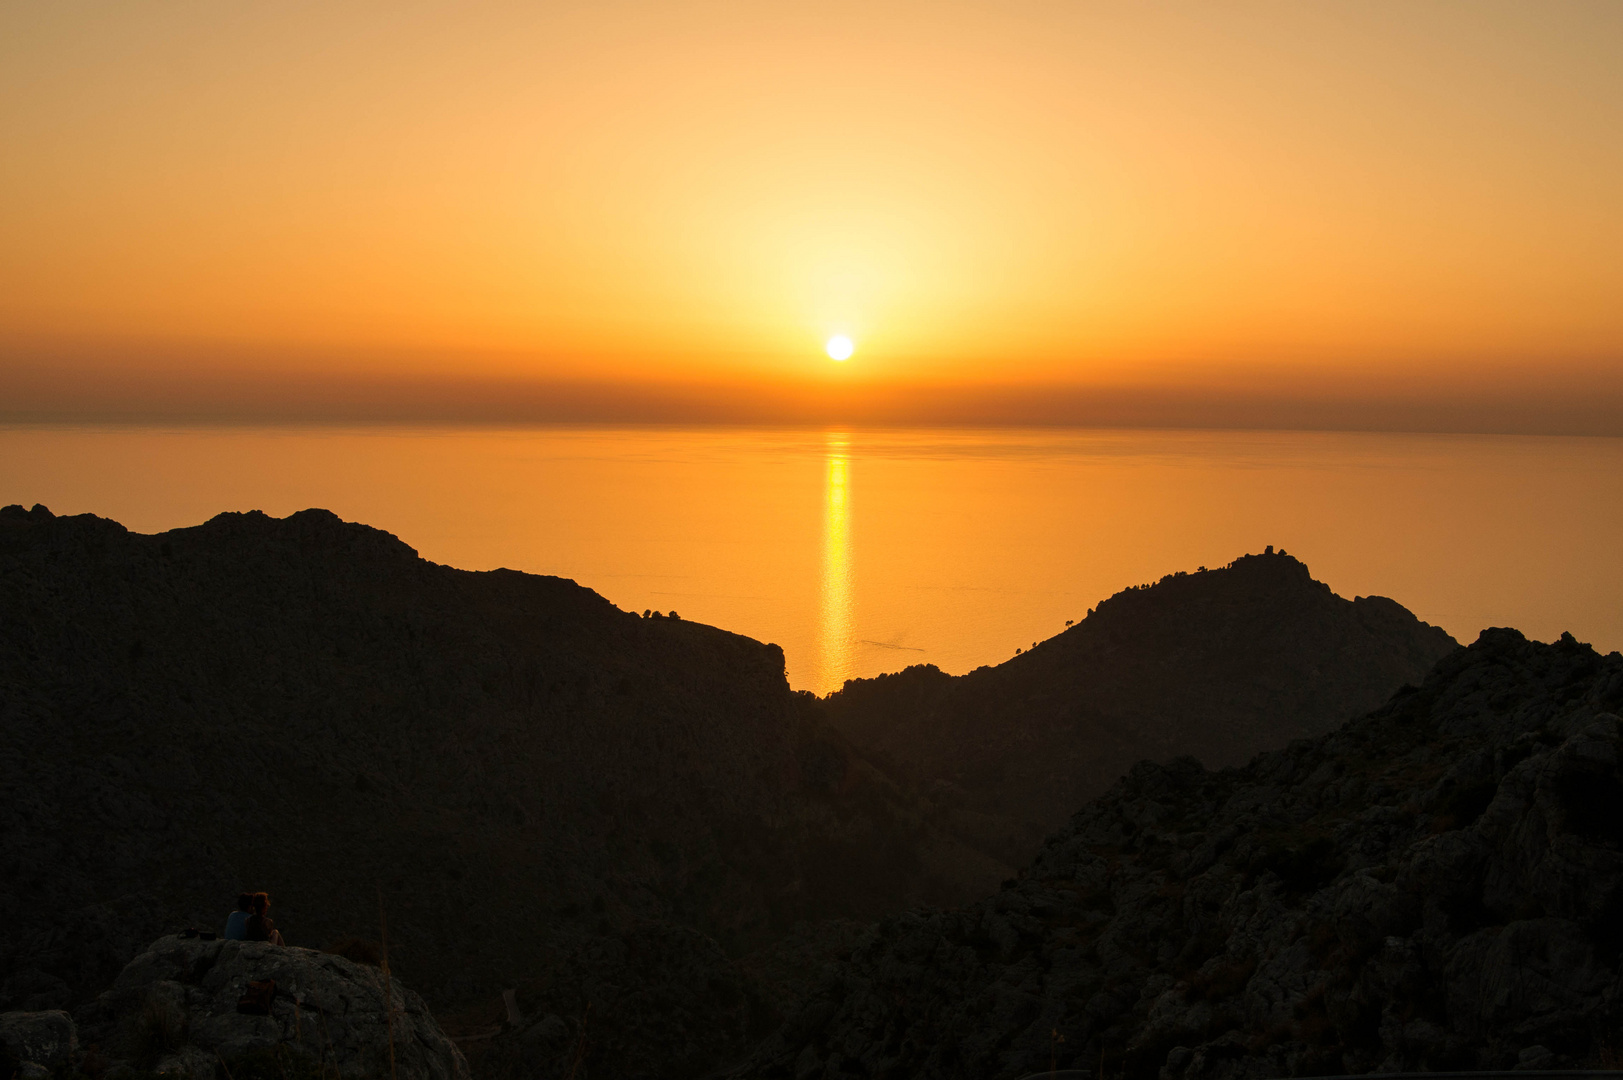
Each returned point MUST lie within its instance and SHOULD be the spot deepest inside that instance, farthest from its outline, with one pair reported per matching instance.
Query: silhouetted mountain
(1437, 886)
(517, 769)
(1218, 665)
(631, 820)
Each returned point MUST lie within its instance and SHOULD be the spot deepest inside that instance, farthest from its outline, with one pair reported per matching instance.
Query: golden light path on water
(834, 625)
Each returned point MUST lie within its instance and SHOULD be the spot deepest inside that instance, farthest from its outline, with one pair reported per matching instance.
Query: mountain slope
(507, 763)
(1437, 886)
(1218, 665)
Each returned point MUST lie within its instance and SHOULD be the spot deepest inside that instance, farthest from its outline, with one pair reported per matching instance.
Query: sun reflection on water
(834, 624)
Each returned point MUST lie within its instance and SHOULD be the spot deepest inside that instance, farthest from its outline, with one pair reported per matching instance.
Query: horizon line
(1575, 407)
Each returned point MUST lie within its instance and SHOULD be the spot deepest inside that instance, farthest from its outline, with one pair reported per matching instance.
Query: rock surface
(173, 1010)
(655, 1002)
(46, 1040)
(1436, 886)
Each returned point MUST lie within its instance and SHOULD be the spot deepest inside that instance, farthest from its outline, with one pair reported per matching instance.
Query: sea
(866, 551)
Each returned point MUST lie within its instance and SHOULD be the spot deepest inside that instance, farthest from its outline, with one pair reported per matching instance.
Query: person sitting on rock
(259, 926)
(236, 924)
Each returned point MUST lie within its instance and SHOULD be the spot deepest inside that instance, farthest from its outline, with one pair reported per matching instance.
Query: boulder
(43, 1040)
(174, 1010)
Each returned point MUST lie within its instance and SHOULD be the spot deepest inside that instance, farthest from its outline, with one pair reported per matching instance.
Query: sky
(1329, 214)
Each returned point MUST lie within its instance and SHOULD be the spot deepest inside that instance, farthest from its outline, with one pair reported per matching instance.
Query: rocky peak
(311, 531)
(1218, 664)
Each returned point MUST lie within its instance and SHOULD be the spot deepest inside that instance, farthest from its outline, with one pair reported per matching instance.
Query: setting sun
(839, 347)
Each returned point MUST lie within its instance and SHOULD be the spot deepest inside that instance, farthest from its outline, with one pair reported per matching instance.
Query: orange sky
(1359, 197)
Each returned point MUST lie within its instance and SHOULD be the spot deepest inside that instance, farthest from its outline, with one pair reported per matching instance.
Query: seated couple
(251, 921)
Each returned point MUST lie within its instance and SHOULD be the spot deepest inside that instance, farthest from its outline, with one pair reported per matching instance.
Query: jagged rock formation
(1217, 665)
(506, 763)
(173, 1011)
(1436, 886)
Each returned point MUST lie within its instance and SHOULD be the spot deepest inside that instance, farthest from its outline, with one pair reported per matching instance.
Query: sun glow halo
(839, 347)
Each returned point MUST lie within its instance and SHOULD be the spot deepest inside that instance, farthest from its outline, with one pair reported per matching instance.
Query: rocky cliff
(1217, 665)
(1436, 886)
(506, 764)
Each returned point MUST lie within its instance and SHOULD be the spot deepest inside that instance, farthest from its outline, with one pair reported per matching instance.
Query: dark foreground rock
(655, 1002)
(35, 1044)
(173, 1011)
(1218, 665)
(1436, 886)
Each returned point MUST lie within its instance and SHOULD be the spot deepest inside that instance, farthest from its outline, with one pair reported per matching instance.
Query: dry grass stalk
(326, 1051)
(388, 988)
(160, 1029)
(580, 1047)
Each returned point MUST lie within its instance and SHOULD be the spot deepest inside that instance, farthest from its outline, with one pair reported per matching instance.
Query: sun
(839, 347)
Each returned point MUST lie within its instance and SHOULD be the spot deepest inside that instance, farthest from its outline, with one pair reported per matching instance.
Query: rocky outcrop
(1217, 665)
(173, 1011)
(515, 766)
(35, 1044)
(1436, 886)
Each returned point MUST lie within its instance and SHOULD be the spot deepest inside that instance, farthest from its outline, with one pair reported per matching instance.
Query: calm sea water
(865, 551)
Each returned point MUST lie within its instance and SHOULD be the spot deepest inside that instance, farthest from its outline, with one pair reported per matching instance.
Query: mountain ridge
(305, 705)
(1217, 664)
